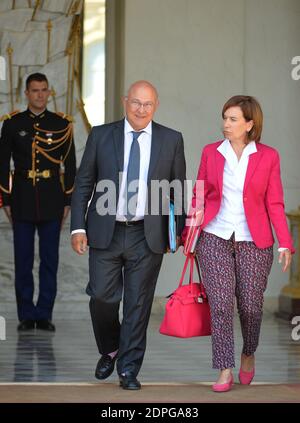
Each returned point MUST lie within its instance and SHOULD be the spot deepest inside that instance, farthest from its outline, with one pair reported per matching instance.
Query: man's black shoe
(26, 325)
(129, 381)
(45, 325)
(105, 366)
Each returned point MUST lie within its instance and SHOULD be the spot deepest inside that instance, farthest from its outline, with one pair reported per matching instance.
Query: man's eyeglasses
(136, 105)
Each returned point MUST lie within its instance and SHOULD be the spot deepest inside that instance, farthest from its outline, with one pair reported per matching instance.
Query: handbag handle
(191, 258)
(194, 260)
(184, 270)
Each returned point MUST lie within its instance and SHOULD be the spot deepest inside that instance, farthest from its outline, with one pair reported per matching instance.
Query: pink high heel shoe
(223, 387)
(246, 377)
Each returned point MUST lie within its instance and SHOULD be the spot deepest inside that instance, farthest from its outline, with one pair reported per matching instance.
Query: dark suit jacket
(103, 160)
(46, 199)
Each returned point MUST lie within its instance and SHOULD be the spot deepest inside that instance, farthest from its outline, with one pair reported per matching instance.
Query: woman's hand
(286, 256)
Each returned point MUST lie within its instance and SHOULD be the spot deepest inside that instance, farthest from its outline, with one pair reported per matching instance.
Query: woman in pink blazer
(243, 197)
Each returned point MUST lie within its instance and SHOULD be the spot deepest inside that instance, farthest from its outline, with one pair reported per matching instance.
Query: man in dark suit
(37, 197)
(126, 235)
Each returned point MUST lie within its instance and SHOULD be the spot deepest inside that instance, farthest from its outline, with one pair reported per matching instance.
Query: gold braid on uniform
(9, 115)
(2, 119)
(67, 136)
(70, 190)
(4, 190)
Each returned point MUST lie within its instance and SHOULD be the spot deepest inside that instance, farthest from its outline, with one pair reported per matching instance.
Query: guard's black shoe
(129, 381)
(105, 366)
(45, 325)
(26, 325)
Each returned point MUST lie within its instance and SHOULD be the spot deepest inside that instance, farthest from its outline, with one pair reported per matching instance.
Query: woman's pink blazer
(262, 194)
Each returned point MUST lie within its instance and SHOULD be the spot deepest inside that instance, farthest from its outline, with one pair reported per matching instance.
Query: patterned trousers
(233, 269)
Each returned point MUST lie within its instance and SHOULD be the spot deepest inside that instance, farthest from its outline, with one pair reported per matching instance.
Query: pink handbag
(187, 312)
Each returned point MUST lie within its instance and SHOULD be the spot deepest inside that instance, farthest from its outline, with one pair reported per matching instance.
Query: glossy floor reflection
(70, 354)
(34, 358)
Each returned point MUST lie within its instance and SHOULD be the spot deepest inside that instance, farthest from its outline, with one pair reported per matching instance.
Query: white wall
(198, 53)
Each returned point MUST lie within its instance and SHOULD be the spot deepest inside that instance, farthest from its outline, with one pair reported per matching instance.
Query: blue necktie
(133, 173)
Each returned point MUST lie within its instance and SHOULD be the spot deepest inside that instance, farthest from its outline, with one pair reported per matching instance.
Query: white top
(231, 217)
(144, 141)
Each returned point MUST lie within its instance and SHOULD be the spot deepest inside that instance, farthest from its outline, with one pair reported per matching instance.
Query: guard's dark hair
(40, 77)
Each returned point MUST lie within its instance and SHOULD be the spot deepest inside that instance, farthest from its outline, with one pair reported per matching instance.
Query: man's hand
(287, 259)
(79, 243)
(7, 211)
(65, 215)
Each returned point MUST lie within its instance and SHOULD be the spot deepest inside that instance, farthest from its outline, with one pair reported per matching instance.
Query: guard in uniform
(36, 196)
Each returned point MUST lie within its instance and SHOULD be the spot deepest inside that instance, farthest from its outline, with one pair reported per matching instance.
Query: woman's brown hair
(251, 110)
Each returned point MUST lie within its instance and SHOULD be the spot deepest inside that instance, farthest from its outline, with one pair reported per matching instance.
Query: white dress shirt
(144, 141)
(231, 217)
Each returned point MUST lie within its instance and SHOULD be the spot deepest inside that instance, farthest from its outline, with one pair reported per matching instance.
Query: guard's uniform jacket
(43, 153)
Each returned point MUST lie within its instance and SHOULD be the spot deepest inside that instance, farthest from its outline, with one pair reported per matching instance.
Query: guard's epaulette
(9, 115)
(65, 116)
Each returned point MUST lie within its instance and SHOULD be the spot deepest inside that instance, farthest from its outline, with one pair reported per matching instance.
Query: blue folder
(172, 228)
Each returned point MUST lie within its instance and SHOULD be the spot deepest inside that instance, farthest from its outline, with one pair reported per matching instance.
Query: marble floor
(70, 354)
